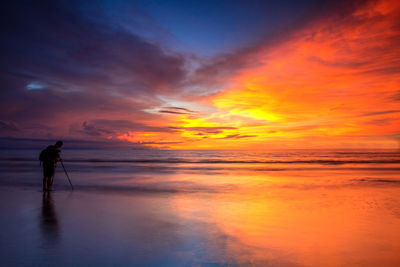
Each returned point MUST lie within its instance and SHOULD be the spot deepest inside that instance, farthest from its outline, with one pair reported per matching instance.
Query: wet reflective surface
(208, 215)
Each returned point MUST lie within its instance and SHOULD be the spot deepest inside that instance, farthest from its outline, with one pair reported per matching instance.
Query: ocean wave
(215, 161)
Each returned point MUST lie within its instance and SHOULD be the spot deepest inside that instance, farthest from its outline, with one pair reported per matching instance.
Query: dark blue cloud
(104, 128)
(57, 43)
(66, 61)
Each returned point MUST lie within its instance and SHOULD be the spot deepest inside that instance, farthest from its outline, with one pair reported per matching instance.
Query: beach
(153, 208)
(200, 133)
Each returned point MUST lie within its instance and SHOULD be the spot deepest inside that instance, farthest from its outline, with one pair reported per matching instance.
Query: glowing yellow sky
(335, 83)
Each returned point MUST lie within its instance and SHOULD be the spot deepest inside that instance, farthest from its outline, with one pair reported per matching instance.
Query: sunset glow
(334, 83)
(330, 81)
(200, 133)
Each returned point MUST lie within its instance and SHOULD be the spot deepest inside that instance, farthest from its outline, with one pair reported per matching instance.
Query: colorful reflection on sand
(205, 214)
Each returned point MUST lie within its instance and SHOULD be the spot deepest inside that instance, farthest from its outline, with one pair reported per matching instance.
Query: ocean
(207, 171)
(203, 208)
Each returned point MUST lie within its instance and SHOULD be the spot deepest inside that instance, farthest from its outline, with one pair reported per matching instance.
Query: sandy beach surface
(353, 227)
(189, 214)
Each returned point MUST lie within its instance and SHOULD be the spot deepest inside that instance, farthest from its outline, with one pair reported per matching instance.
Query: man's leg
(45, 181)
(49, 183)
(48, 172)
(52, 171)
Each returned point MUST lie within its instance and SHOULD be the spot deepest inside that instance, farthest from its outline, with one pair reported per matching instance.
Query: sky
(201, 74)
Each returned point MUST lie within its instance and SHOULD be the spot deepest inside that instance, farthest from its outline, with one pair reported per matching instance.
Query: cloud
(207, 130)
(7, 126)
(215, 71)
(380, 113)
(316, 81)
(383, 122)
(70, 49)
(79, 72)
(106, 128)
(40, 143)
(176, 110)
(238, 136)
(94, 131)
(63, 64)
(61, 109)
(395, 96)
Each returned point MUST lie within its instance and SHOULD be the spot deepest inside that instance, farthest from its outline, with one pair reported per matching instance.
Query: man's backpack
(43, 156)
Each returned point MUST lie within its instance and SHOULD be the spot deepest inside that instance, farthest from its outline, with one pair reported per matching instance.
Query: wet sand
(310, 224)
(203, 208)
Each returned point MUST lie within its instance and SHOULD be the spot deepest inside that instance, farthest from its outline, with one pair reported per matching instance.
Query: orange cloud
(333, 84)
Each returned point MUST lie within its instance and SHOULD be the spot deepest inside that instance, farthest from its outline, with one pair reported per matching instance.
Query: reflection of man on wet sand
(49, 223)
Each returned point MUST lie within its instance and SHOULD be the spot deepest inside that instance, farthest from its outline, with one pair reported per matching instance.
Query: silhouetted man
(49, 157)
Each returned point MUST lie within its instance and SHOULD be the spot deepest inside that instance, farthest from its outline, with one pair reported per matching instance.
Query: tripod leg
(66, 173)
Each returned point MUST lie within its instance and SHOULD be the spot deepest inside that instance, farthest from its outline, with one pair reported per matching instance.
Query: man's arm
(58, 157)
